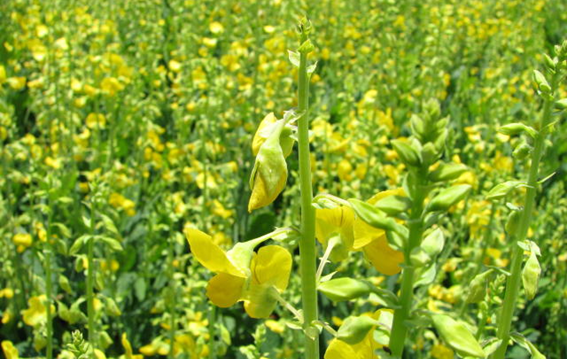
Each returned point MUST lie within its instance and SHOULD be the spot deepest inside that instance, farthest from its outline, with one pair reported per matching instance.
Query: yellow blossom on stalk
(7, 293)
(10, 351)
(216, 27)
(22, 241)
(345, 170)
(110, 86)
(54, 163)
(95, 120)
(128, 352)
(242, 274)
(36, 314)
(17, 83)
(2, 74)
(174, 66)
(352, 233)
(439, 351)
(116, 200)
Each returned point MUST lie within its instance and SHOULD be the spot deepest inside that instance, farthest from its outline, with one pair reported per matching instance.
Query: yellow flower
(241, 274)
(10, 351)
(439, 351)
(269, 174)
(17, 83)
(2, 74)
(216, 27)
(344, 170)
(352, 233)
(95, 120)
(36, 314)
(128, 353)
(7, 293)
(22, 239)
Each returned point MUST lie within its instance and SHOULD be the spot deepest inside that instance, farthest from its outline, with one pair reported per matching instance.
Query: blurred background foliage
(156, 102)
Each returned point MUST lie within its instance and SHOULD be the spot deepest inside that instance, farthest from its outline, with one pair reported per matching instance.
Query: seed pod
(342, 289)
(477, 287)
(447, 172)
(419, 257)
(393, 205)
(522, 151)
(375, 217)
(541, 82)
(501, 190)
(530, 275)
(418, 127)
(354, 329)
(406, 152)
(457, 336)
(561, 104)
(516, 128)
(549, 62)
(513, 223)
(448, 197)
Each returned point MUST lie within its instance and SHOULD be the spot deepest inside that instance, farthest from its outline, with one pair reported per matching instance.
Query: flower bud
(342, 289)
(477, 287)
(406, 152)
(447, 172)
(269, 174)
(448, 197)
(354, 329)
(541, 82)
(457, 336)
(530, 275)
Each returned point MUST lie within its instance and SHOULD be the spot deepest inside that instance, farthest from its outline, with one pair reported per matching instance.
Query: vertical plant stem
(90, 284)
(401, 314)
(513, 282)
(48, 288)
(307, 244)
(172, 296)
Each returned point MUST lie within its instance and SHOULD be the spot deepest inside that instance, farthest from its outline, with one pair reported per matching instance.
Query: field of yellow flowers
(283, 179)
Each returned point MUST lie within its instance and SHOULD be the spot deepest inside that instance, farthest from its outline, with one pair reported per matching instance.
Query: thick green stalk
(401, 314)
(90, 284)
(513, 282)
(307, 244)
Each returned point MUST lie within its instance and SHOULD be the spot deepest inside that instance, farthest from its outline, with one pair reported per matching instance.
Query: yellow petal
(10, 351)
(260, 137)
(209, 254)
(272, 266)
(127, 346)
(99, 354)
(259, 302)
(37, 312)
(224, 289)
(340, 350)
(365, 233)
(380, 195)
(335, 220)
(385, 259)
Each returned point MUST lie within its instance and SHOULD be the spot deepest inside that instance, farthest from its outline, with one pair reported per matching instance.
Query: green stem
(48, 290)
(513, 282)
(307, 247)
(90, 284)
(171, 298)
(401, 314)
